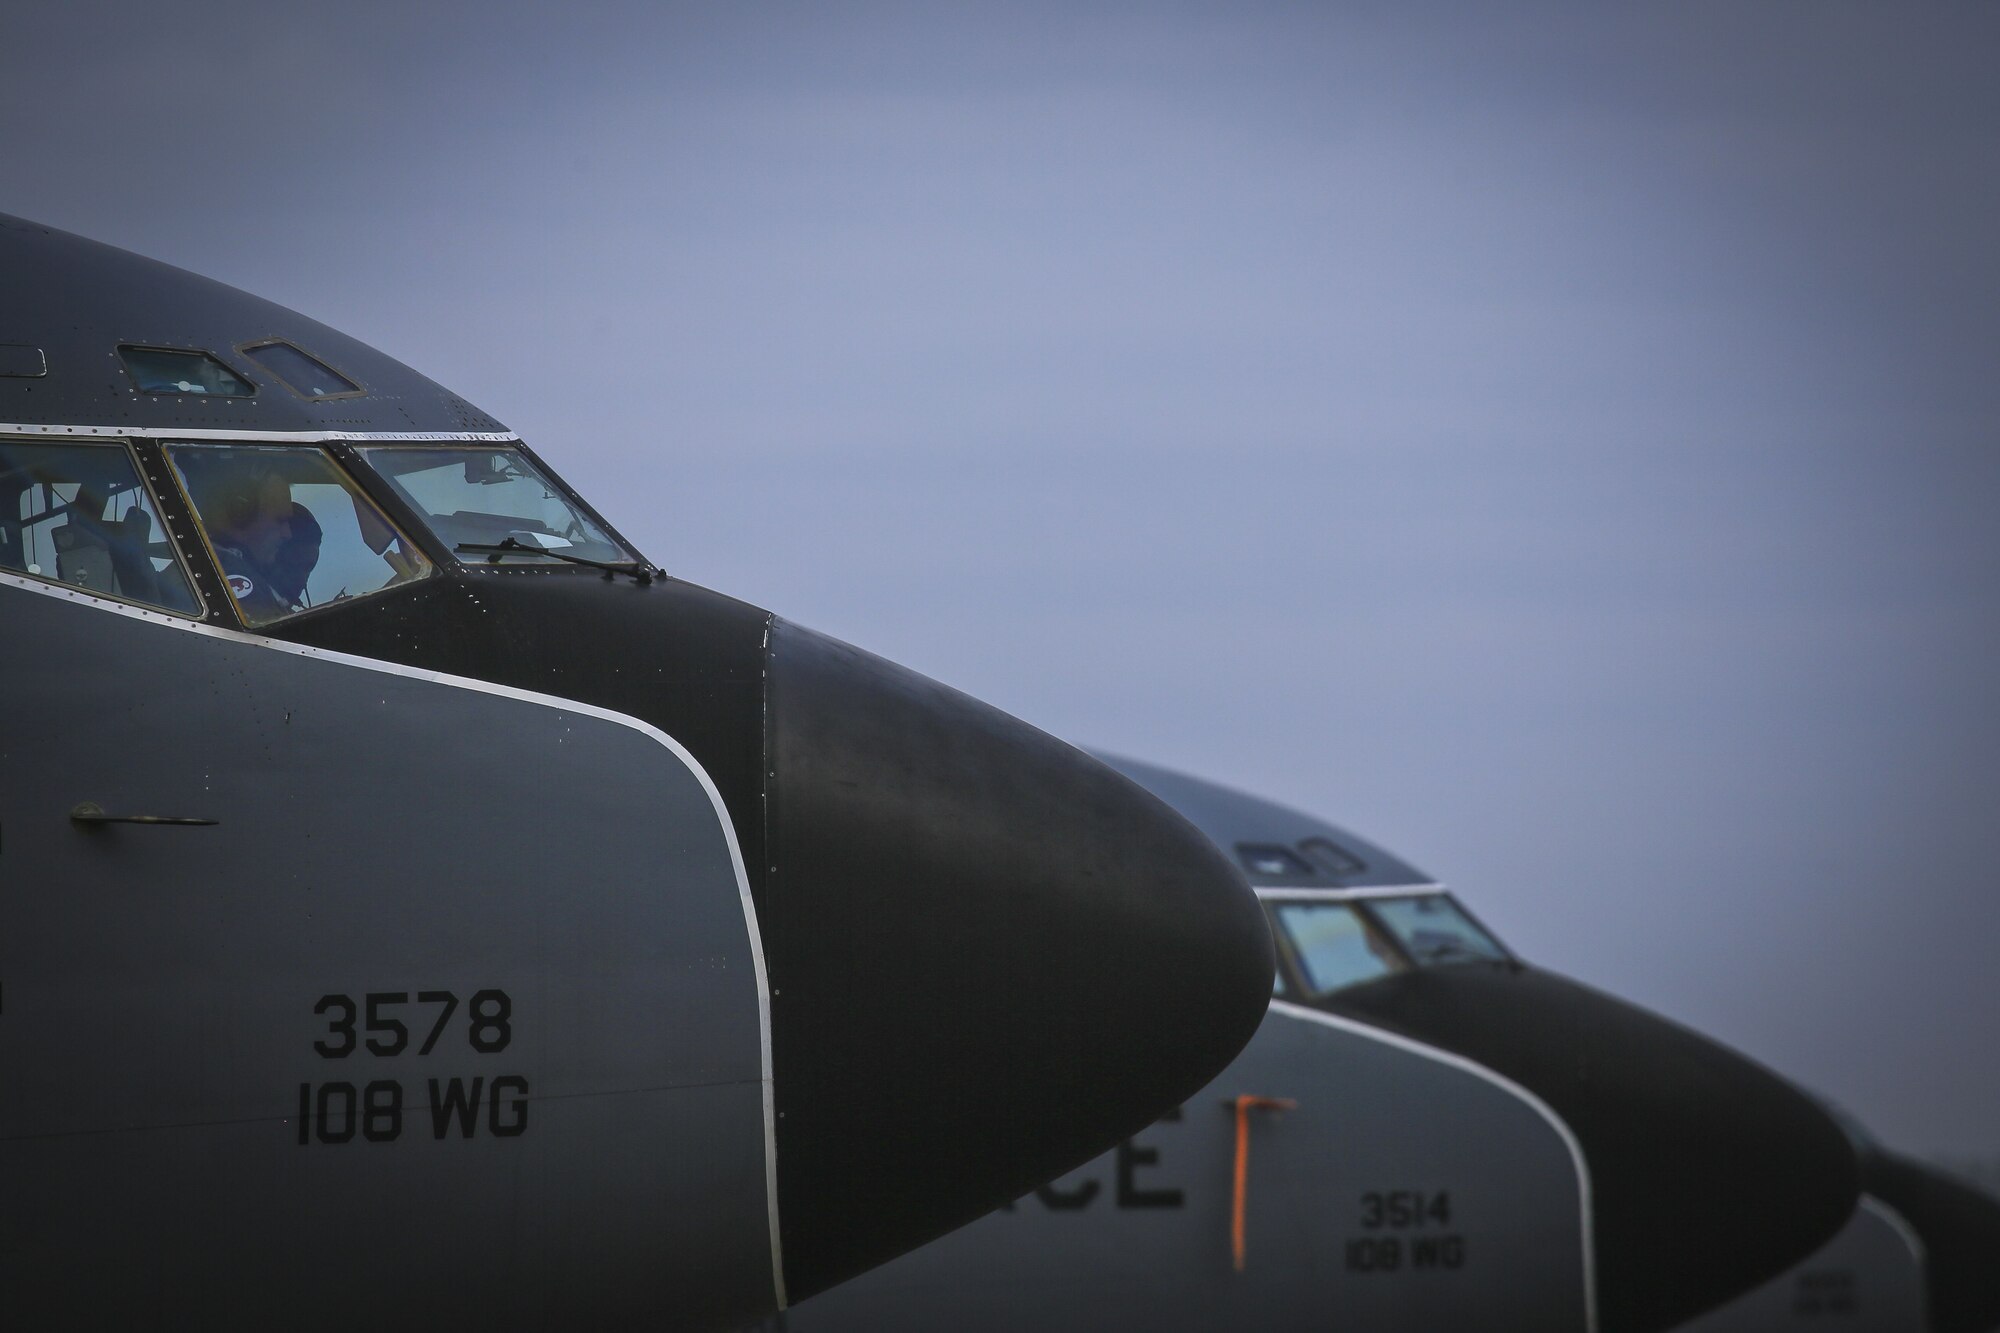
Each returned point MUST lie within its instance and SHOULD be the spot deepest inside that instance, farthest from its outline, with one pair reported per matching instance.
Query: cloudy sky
(1560, 441)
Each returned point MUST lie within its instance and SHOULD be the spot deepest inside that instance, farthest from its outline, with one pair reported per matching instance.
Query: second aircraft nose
(1708, 1173)
(1092, 958)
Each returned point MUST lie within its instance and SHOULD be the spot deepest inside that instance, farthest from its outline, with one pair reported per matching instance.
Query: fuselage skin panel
(176, 996)
(1407, 1190)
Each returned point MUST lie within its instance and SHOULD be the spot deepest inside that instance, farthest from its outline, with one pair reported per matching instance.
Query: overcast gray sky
(1559, 441)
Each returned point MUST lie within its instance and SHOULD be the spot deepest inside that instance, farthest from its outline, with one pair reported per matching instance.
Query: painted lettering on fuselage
(1385, 1216)
(1398, 1230)
(337, 1112)
(1131, 1192)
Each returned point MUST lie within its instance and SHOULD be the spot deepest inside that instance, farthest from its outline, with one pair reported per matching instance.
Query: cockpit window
(493, 506)
(289, 529)
(1334, 945)
(77, 514)
(1434, 929)
(1268, 860)
(164, 370)
(306, 376)
(1332, 858)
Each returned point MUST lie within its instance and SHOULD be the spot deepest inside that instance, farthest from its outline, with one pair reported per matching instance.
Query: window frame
(244, 350)
(168, 519)
(1247, 852)
(230, 613)
(126, 366)
(1300, 979)
(1362, 900)
(386, 497)
(1395, 936)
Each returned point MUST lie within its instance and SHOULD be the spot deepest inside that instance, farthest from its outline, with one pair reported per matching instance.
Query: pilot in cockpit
(297, 556)
(267, 544)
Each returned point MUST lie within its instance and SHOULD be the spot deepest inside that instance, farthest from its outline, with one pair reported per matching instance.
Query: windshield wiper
(1444, 951)
(638, 570)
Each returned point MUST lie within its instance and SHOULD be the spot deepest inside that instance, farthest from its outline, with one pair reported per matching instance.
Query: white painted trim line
(764, 1027)
(1504, 1083)
(271, 436)
(1900, 1225)
(679, 751)
(1271, 893)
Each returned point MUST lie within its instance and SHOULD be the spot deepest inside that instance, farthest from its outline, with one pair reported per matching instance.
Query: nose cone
(1959, 1228)
(1088, 958)
(1708, 1174)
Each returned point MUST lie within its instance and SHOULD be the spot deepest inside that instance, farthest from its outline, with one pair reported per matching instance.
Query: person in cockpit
(297, 556)
(252, 520)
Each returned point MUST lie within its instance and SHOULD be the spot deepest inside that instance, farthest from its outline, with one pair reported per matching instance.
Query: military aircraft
(1921, 1252)
(417, 909)
(1957, 1232)
(1427, 1133)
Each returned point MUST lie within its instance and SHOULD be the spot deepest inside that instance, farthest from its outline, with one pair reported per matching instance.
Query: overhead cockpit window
(1332, 858)
(1271, 861)
(1434, 929)
(290, 530)
(494, 507)
(1334, 945)
(162, 370)
(306, 376)
(78, 514)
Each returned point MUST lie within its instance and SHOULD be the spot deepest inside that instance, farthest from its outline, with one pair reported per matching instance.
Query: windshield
(1434, 929)
(483, 497)
(290, 530)
(1334, 945)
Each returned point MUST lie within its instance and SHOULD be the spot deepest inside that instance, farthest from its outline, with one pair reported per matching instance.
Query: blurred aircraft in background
(1922, 1252)
(1426, 1133)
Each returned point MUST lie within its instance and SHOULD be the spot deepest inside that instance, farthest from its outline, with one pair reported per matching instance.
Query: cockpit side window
(289, 529)
(1434, 929)
(1334, 946)
(77, 513)
(493, 506)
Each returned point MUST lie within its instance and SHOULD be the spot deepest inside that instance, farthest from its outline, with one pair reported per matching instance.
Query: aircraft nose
(1088, 959)
(1708, 1174)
